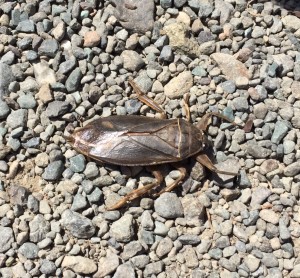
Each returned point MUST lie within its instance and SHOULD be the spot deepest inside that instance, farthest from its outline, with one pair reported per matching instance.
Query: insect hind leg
(140, 191)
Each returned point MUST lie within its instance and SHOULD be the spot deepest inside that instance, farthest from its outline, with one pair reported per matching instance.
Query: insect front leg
(140, 191)
(206, 120)
(145, 99)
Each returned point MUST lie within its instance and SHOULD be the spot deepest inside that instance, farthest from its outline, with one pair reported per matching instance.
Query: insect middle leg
(205, 161)
(174, 184)
(140, 191)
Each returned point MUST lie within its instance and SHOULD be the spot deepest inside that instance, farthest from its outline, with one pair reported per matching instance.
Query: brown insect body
(137, 140)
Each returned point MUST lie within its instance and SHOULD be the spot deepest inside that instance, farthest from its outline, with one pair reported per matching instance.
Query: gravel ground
(64, 62)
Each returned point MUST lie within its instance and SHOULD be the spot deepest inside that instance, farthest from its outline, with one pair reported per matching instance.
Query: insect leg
(205, 161)
(139, 192)
(206, 120)
(144, 98)
(169, 188)
(186, 107)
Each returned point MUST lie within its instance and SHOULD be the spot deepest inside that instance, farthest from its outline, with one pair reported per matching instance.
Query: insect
(144, 141)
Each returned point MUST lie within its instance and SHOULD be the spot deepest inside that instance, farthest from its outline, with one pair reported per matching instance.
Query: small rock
(230, 66)
(132, 60)
(78, 225)
(179, 85)
(73, 80)
(6, 78)
(252, 263)
(77, 163)
(53, 171)
(6, 239)
(107, 264)
(257, 151)
(168, 206)
(4, 109)
(26, 26)
(79, 264)
(91, 39)
(43, 73)
(292, 169)
(269, 216)
(259, 195)
(17, 118)
(281, 129)
(123, 229)
(47, 267)
(27, 101)
(125, 271)
(57, 108)
(29, 250)
(164, 247)
(49, 47)
(137, 17)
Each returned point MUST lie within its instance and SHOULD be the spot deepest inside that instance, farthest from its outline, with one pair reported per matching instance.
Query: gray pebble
(47, 267)
(240, 104)
(27, 101)
(281, 129)
(166, 54)
(168, 206)
(6, 78)
(153, 268)
(269, 260)
(53, 171)
(132, 106)
(124, 271)
(78, 225)
(49, 47)
(26, 26)
(39, 227)
(77, 163)
(29, 250)
(17, 118)
(131, 249)
(123, 229)
(57, 108)
(73, 80)
(4, 109)
(188, 239)
(95, 196)
(79, 202)
(146, 236)
(6, 238)
(164, 247)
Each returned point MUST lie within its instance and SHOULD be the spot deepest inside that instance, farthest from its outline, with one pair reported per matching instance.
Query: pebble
(79, 264)
(281, 129)
(132, 60)
(269, 216)
(49, 47)
(77, 163)
(53, 171)
(6, 239)
(179, 85)
(17, 118)
(123, 229)
(73, 80)
(6, 78)
(4, 110)
(57, 108)
(29, 250)
(124, 271)
(78, 225)
(107, 264)
(168, 206)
